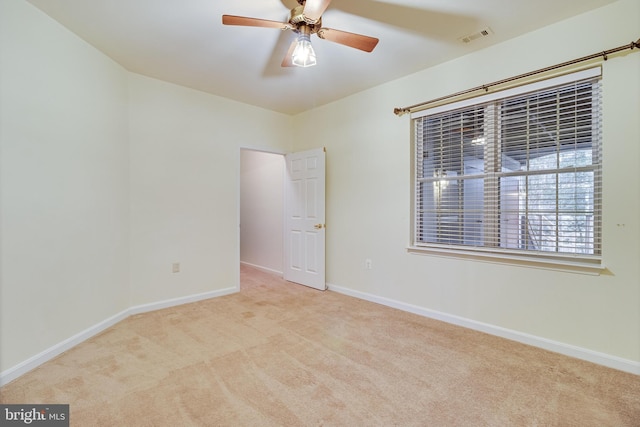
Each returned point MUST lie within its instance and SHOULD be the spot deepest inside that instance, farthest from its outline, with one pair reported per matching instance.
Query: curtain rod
(604, 55)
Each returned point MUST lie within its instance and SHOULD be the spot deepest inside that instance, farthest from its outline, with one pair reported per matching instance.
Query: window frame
(571, 261)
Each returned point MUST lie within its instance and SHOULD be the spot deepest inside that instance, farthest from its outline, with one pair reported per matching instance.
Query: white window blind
(517, 172)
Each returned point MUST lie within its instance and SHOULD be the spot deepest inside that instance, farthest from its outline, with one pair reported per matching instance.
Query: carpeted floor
(280, 354)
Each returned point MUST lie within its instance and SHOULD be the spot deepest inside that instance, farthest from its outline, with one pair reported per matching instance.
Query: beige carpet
(284, 355)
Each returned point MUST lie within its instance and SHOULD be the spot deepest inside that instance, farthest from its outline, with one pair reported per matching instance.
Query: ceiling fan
(306, 19)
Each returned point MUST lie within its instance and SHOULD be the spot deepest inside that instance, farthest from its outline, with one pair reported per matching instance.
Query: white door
(304, 228)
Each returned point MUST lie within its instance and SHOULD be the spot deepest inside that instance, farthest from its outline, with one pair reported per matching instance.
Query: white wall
(64, 184)
(368, 198)
(185, 182)
(261, 209)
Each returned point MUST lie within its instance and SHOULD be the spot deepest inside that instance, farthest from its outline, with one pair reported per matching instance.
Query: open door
(304, 225)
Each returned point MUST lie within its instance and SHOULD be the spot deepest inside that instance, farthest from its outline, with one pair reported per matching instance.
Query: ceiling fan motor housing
(297, 19)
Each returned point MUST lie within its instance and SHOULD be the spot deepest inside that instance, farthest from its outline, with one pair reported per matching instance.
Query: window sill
(591, 266)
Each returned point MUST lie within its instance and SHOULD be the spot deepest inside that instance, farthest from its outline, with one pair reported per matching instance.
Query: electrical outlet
(175, 268)
(367, 264)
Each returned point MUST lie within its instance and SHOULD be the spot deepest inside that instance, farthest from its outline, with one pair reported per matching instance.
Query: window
(514, 173)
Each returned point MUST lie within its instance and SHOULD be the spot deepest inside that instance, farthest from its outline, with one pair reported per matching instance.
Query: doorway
(261, 209)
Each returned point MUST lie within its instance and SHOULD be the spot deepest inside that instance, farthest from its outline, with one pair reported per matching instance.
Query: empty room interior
(473, 235)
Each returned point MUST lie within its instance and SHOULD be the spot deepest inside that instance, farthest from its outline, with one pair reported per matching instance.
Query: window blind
(514, 172)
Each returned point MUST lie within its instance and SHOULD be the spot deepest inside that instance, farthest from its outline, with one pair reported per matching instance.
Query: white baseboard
(555, 346)
(33, 362)
(48, 354)
(145, 308)
(259, 267)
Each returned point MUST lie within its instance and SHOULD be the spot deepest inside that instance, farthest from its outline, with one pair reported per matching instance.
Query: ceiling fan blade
(313, 9)
(254, 22)
(288, 59)
(357, 41)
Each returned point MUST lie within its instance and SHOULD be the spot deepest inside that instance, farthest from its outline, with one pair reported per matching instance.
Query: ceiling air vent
(475, 36)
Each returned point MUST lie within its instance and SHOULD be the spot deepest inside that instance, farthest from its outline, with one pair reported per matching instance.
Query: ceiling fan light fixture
(304, 55)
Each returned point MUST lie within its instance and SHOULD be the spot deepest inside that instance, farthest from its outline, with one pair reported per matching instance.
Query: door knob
(318, 226)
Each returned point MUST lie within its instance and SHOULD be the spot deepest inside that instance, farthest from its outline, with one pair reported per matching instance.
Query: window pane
(554, 217)
(450, 207)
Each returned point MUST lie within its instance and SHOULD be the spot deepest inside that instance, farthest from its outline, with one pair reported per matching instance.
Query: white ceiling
(184, 41)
